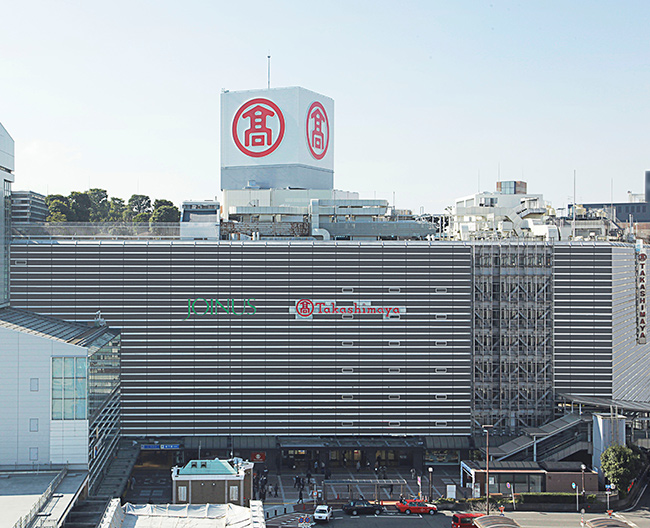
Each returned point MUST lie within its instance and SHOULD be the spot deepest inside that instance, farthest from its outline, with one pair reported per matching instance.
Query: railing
(26, 520)
(113, 515)
(96, 231)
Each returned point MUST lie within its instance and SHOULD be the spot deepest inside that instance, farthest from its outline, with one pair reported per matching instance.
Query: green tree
(139, 203)
(116, 210)
(80, 206)
(99, 205)
(159, 203)
(620, 465)
(142, 218)
(58, 208)
(166, 213)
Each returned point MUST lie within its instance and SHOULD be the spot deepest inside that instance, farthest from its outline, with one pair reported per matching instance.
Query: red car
(464, 520)
(408, 507)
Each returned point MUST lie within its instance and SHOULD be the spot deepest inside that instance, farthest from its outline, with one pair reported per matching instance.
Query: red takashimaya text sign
(308, 308)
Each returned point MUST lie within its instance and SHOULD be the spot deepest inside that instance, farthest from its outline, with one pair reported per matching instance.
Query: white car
(323, 513)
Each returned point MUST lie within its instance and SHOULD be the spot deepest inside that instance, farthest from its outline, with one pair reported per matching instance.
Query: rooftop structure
(277, 138)
(172, 516)
(28, 207)
(636, 209)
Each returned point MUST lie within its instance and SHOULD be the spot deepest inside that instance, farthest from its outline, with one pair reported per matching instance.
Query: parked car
(415, 506)
(356, 507)
(323, 513)
(464, 520)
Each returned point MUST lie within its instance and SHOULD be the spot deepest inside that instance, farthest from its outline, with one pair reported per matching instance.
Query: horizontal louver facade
(191, 368)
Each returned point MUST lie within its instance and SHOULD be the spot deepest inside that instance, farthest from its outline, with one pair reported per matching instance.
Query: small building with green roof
(213, 482)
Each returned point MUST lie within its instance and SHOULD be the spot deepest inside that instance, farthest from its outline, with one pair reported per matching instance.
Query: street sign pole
(573, 485)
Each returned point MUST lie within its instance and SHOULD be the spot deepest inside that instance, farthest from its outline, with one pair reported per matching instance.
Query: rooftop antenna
(499, 172)
(611, 199)
(268, 59)
(479, 181)
(573, 224)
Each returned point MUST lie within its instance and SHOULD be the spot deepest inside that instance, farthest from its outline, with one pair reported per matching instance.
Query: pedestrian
(345, 461)
(390, 491)
(413, 472)
(358, 466)
(295, 481)
(315, 466)
(277, 485)
(300, 501)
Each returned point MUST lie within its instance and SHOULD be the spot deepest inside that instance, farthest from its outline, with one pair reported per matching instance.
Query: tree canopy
(95, 205)
(620, 465)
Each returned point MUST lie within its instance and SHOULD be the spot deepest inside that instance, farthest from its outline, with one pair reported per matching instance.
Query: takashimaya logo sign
(258, 127)
(318, 130)
(307, 308)
(204, 306)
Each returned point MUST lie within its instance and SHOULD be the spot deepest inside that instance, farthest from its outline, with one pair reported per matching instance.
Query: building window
(69, 388)
(33, 425)
(33, 454)
(182, 493)
(33, 384)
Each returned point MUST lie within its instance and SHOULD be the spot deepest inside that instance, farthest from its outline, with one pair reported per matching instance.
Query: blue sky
(124, 95)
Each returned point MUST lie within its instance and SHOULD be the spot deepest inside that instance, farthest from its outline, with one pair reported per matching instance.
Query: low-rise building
(213, 481)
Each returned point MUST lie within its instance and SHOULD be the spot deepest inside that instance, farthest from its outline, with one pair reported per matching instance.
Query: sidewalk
(288, 494)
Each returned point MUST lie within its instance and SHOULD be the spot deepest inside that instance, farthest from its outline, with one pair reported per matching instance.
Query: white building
(60, 391)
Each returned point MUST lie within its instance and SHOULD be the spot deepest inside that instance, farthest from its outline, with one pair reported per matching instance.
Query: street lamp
(583, 467)
(430, 485)
(487, 467)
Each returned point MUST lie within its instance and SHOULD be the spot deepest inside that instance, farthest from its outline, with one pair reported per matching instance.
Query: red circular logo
(258, 127)
(643, 257)
(318, 130)
(304, 307)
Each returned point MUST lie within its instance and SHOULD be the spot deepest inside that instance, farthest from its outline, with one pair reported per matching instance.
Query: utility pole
(487, 467)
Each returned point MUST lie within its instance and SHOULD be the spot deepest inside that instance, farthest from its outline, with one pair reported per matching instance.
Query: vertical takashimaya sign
(641, 286)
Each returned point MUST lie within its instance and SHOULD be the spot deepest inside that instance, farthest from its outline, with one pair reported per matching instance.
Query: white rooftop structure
(181, 516)
(493, 215)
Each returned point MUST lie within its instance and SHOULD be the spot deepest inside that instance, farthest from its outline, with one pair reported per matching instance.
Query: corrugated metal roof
(207, 467)
(52, 327)
(501, 465)
(606, 403)
(447, 442)
(568, 466)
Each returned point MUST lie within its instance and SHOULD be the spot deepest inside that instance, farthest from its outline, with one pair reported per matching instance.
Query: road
(443, 519)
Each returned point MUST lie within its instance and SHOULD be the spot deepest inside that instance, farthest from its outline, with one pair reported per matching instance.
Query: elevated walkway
(553, 441)
(117, 476)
